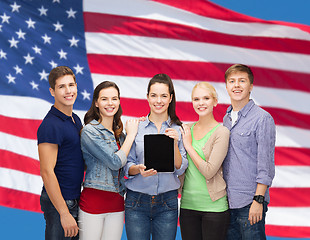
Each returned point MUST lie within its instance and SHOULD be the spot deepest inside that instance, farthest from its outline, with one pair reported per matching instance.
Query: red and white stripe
(190, 42)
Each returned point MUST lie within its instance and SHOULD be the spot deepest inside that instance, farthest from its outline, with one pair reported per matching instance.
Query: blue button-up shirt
(161, 182)
(250, 157)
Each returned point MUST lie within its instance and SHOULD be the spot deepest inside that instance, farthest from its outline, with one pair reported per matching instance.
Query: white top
(234, 117)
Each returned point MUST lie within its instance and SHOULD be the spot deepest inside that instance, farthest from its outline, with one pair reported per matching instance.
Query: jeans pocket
(130, 203)
(73, 207)
(46, 204)
(71, 204)
(171, 204)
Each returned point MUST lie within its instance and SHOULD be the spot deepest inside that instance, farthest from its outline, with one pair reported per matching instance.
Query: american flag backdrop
(129, 41)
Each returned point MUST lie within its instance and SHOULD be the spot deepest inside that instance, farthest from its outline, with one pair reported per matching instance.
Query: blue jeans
(155, 215)
(53, 228)
(240, 227)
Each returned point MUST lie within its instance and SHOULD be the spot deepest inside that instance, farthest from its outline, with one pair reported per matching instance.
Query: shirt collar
(147, 121)
(244, 111)
(96, 124)
(59, 114)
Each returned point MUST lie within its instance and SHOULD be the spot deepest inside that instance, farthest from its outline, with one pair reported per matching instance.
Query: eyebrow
(108, 97)
(63, 84)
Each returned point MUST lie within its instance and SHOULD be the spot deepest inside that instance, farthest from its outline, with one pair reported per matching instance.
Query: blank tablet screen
(159, 152)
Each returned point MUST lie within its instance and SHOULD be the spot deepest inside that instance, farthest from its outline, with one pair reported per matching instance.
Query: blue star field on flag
(35, 37)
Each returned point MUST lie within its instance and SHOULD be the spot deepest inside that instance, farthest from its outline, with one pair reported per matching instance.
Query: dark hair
(239, 68)
(93, 112)
(165, 79)
(58, 72)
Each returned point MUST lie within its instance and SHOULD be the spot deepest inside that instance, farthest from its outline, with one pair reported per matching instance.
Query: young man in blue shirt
(249, 165)
(61, 161)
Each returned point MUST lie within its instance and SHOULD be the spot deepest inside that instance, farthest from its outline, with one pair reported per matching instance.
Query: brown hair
(58, 72)
(239, 68)
(165, 79)
(93, 112)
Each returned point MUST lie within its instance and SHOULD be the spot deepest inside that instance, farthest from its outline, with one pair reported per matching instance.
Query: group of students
(223, 172)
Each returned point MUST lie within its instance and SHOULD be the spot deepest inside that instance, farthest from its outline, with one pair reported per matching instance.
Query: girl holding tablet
(151, 204)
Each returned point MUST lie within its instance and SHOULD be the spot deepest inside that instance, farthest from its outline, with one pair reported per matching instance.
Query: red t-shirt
(96, 201)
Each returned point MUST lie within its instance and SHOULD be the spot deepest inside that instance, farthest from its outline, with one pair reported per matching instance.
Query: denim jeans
(240, 227)
(155, 215)
(53, 228)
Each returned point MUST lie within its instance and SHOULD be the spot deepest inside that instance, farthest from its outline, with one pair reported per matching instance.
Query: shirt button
(207, 181)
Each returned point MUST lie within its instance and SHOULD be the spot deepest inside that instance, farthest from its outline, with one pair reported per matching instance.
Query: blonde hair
(207, 86)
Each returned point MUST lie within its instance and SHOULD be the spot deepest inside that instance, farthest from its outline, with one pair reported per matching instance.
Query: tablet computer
(159, 152)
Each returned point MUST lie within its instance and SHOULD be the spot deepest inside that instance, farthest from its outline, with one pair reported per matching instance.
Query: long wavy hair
(165, 79)
(93, 112)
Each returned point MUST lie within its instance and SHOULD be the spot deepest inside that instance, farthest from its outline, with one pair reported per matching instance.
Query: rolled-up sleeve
(183, 153)
(266, 137)
(131, 160)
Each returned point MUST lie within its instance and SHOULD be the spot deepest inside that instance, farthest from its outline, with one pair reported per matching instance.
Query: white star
(18, 70)
(34, 85)
(10, 78)
(43, 75)
(62, 54)
(21, 34)
(73, 41)
(56, 1)
(58, 26)
(53, 64)
(71, 13)
(86, 95)
(5, 18)
(15, 7)
(43, 11)
(78, 69)
(28, 59)
(2, 54)
(37, 50)
(46, 39)
(30, 23)
(13, 42)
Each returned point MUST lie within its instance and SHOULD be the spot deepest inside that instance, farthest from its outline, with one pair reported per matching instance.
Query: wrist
(64, 213)
(259, 198)
(130, 136)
